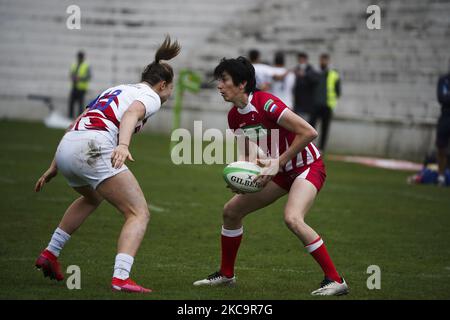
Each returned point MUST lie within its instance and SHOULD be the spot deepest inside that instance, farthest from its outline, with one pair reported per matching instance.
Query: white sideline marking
(155, 208)
(161, 209)
(379, 162)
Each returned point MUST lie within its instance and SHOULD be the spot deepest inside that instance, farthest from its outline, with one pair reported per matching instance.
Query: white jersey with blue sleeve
(106, 111)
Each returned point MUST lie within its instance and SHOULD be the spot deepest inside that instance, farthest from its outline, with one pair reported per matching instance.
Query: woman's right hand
(119, 155)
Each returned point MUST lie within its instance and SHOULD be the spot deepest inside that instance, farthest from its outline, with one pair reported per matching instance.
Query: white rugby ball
(240, 175)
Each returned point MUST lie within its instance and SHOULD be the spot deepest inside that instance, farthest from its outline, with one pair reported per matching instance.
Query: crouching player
(91, 157)
(301, 174)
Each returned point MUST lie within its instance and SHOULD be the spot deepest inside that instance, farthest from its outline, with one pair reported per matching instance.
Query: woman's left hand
(119, 155)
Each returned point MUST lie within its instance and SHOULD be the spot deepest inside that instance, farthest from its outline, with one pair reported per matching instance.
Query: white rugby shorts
(84, 158)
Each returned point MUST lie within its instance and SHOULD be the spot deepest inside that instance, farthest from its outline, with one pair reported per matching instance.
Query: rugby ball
(240, 175)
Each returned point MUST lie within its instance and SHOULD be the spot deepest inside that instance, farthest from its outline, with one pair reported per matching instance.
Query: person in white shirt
(263, 72)
(282, 81)
(91, 157)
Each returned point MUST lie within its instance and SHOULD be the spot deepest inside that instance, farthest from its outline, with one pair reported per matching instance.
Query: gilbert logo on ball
(240, 176)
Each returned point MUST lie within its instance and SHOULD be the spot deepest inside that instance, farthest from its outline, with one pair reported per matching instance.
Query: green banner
(187, 80)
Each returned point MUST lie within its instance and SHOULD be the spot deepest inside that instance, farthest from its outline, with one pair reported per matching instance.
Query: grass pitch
(366, 216)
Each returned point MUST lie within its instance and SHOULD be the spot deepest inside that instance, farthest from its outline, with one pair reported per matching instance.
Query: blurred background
(388, 105)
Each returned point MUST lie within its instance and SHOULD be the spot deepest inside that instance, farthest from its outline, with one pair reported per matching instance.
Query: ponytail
(160, 71)
(167, 50)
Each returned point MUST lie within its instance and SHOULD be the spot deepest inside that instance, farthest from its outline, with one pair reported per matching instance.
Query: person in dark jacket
(303, 91)
(327, 91)
(443, 125)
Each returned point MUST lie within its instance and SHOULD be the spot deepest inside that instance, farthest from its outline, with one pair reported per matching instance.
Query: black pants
(76, 96)
(325, 114)
(443, 131)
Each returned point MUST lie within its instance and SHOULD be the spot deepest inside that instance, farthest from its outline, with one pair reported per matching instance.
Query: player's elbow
(312, 134)
(307, 135)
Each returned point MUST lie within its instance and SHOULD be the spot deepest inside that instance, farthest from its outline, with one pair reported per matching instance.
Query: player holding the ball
(91, 157)
(299, 173)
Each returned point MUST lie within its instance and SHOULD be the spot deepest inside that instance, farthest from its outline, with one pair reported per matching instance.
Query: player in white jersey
(91, 157)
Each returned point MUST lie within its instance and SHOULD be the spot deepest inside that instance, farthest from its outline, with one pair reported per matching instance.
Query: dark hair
(279, 58)
(160, 71)
(303, 55)
(80, 55)
(253, 55)
(325, 56)
(240, 70)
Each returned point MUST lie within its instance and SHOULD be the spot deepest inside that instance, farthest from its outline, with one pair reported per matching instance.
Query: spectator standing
(305, 82)
(443, 125)
(263, 72)
(282, 81)
(326, 94)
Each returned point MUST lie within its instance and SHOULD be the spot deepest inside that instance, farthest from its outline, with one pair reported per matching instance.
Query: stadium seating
(389, 75)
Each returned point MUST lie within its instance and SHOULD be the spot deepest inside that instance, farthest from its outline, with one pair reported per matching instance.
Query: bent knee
(294, 220)
(142, 213)
(230, 212)
(93, 200)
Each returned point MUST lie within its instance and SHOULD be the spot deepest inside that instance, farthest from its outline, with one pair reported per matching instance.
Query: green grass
(367, 216)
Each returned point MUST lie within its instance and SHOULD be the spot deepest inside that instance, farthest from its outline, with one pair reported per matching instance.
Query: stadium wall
(389, 76)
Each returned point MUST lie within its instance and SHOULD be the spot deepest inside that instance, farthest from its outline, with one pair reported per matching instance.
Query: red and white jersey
(262, 114)
(105, 112)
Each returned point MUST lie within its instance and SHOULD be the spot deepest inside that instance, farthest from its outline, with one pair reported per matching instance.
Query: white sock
(59, 239)
(122, 267)
(232, 233)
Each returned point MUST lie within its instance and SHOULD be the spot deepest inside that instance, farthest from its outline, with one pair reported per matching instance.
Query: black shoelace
(325, 282)
(215, 275)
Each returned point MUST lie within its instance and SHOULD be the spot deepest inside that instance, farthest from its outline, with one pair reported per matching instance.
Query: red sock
(231, 239)
(319, 252)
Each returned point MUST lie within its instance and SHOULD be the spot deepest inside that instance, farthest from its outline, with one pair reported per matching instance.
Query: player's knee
(93, 200)
(142, 214)
(229, 212)
(293, 221)
(145, 215)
